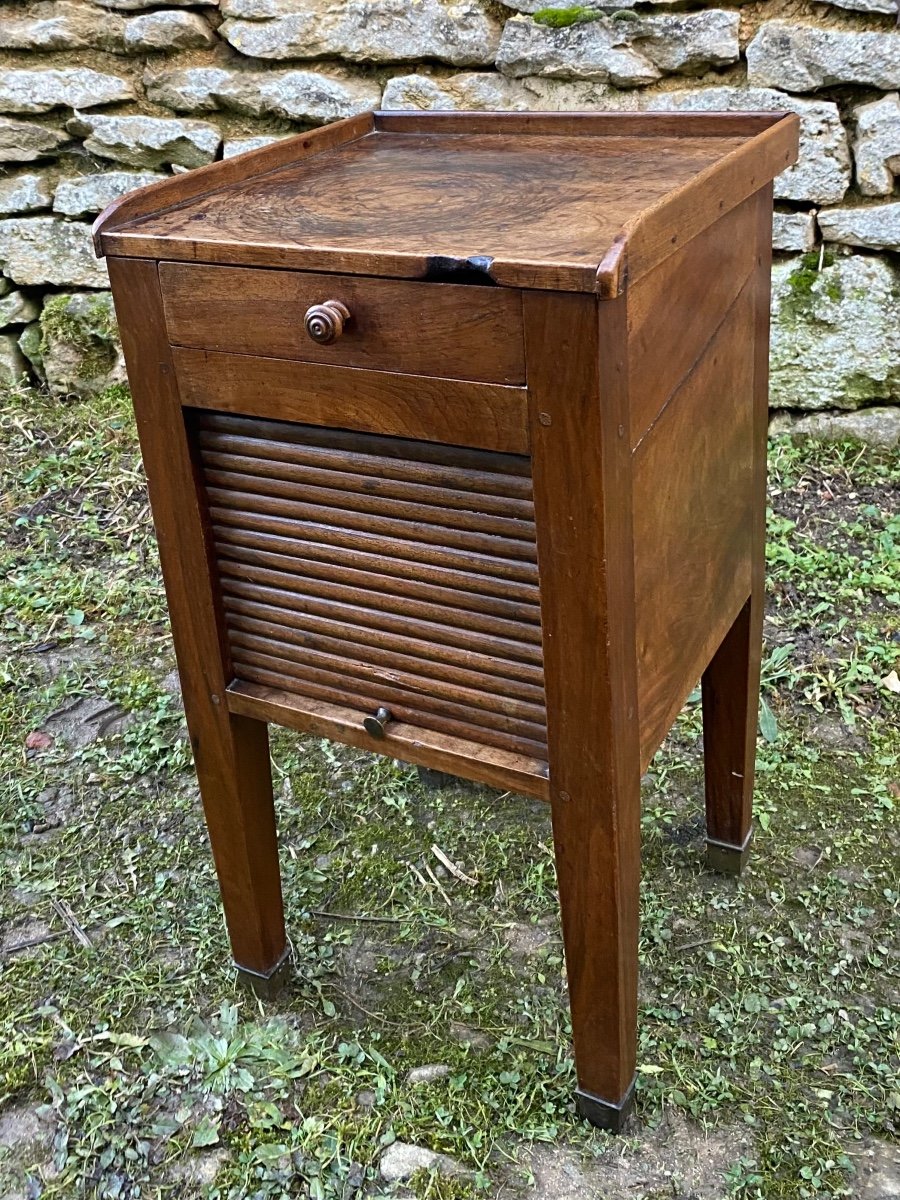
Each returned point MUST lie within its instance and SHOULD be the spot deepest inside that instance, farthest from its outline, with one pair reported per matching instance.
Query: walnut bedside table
(455, 429)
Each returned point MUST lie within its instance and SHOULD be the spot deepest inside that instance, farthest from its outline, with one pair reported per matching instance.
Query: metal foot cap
(727, 859)
(268, 985)
(602, 1113)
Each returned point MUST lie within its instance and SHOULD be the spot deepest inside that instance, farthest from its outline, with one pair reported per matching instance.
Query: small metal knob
(376, 725)
(325, 322)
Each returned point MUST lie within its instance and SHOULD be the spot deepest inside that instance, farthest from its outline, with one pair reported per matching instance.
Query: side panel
(695, 479)
(675, 309)
(731, 682)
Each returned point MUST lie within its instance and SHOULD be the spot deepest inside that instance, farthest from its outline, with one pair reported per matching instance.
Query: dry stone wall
(100, 96)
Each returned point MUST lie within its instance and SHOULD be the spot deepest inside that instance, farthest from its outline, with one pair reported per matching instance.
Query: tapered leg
(230, 752)
(236, 789)
(597, 841)
(581, 464)
(730, 717)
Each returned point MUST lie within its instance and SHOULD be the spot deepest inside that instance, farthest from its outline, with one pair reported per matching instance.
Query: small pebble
(401, 1161)
(427, 1074)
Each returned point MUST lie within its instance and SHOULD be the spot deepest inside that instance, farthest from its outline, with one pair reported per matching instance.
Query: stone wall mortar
(99, 96)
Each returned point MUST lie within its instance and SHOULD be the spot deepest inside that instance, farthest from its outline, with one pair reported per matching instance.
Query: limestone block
(835, 333)
(150, 142)
(38, 250)
(803, 58)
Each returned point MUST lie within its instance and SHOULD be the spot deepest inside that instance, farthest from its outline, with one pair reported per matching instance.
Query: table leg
(730, 716)
(597, 843)
(581, 464)
(231, 752)
(234, 773)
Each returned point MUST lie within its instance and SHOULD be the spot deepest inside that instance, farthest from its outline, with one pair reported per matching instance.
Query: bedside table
(455, 428)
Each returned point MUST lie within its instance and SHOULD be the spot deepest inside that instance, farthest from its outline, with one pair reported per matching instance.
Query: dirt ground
(421, 1045)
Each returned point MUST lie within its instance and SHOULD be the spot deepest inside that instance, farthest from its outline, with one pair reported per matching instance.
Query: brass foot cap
(726, 859)
(602, 1113)
(266, 985)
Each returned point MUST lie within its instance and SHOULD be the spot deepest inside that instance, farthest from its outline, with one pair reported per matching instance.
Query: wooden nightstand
(455, 429)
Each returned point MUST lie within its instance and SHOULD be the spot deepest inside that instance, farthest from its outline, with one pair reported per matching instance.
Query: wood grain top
(534, 201)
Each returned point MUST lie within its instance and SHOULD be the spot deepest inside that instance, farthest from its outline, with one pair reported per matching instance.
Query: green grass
(768, 1005)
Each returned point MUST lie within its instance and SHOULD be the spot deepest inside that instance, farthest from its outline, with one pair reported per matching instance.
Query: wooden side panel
(583, 124)
(731, 682)
(489, 416)
(675, 309)
(694, 522)
(408, 328)
(660, 229)
(452, 649)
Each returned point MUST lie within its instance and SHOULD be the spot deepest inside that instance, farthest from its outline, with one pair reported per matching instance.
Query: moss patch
(807, 282)
(82, 328)
(562, 18)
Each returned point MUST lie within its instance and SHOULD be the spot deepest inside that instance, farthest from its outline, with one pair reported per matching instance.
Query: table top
(525, 200)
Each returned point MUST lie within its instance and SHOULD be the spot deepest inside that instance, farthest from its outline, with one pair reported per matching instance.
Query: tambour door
(372, 572)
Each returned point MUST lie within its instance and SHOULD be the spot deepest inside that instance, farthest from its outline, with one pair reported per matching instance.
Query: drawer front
(446, 330)
(374, 572)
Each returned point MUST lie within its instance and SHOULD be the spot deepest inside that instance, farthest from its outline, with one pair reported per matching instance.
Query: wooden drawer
(369, 572)
(438, 329)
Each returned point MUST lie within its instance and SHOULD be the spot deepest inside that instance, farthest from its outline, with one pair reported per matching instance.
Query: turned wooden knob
(325, 322)
(376, 725)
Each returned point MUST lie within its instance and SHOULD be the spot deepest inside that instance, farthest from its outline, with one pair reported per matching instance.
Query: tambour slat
(414, 531)
(369, 571)
(377, 575)
(415, 681)
(432, 462)
(387, 691)
(438, 672)
(262, 458)
(349, 633)
(351, 698)
(373, 508)
(370, 618)
(392, 604)
(371, 542)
